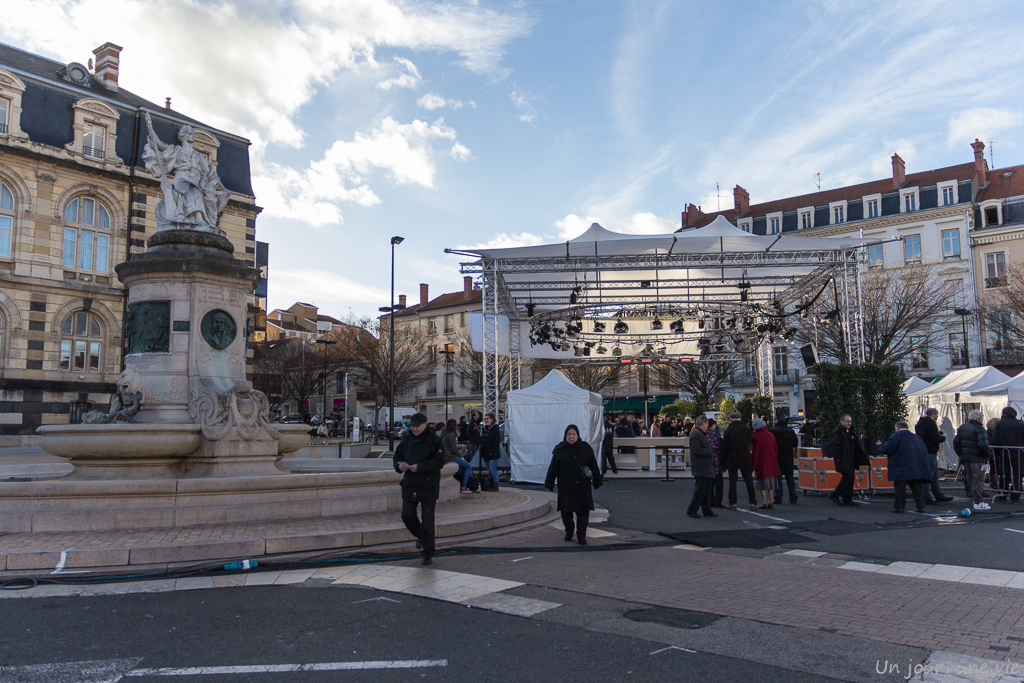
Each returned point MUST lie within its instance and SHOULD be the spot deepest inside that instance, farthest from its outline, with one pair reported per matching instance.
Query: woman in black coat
(574, 467)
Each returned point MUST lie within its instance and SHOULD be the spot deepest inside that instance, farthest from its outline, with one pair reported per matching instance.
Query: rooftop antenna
(718, 194)
(817, 177)
(991, 155)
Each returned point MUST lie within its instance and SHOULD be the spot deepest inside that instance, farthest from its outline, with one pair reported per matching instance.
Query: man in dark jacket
(908, 464)
(786, 442)
(928, 429)
(849, 455)
(490, 448)
(736, 451)
(420, 457)
(1009, 431)
(971, 445)
(702, 462)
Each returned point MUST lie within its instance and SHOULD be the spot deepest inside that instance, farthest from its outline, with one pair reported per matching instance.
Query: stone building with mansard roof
(75, 200)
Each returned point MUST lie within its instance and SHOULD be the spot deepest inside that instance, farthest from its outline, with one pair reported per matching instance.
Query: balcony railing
(1005, 356)
(92, 152)
(3, 129)
(744, 379)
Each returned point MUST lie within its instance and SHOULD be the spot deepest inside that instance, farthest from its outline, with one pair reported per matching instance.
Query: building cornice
(957, 210)
(996, 235)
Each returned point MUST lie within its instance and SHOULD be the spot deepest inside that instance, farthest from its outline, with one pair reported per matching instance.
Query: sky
(514, 122)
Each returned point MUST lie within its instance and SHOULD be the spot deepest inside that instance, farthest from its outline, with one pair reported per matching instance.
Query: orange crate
(819, 480)
(880, 477)
(879, 461)
(807, 452)
(815, 464)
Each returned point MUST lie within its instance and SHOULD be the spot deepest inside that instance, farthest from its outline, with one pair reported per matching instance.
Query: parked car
(293, 418)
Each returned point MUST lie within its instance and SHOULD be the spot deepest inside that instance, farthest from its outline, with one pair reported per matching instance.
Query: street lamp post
(391, 364)
(326, 343)
(963, 313)
(448, 353)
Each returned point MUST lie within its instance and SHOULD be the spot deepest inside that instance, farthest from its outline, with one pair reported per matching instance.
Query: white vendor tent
(994, 398)
(536, 418)
(914, 384)
(950, 396)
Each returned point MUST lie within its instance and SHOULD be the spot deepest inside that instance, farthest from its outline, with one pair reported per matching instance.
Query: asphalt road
(119, 637)
(994, 541)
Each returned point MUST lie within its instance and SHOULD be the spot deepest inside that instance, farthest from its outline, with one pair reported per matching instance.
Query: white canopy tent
(536, 418)
(951, 396)
(915, 384)
(998, 396)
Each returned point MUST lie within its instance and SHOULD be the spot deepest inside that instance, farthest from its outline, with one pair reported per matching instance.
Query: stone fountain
(186, 440)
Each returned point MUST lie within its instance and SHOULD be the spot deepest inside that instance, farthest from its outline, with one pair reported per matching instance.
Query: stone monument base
(82, 505)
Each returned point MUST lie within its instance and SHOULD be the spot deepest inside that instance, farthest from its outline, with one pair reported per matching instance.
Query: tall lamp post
(448, 353)
(391, 364)
(963, 313)
(326, 343)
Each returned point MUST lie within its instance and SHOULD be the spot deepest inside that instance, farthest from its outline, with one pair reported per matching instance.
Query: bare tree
(701, 377)
(372, 357)
(268, 370)
(466, 362)
(302, 370)
(904, 312)
(593, 377)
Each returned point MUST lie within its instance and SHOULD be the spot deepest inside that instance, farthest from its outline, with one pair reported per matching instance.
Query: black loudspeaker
(810, 355)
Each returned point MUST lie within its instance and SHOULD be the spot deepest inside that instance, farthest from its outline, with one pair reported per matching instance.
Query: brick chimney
(401, 300)
(108, 60)
(691, 215)
(899, 171)
(424, 297)
(467, 286)
(980, 165)
(741, 200)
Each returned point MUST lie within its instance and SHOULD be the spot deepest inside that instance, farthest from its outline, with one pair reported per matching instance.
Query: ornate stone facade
(77, 207)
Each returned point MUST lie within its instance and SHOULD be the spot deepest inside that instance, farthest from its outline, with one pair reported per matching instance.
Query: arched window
(6, 220)
(86, 235)
(81, 340)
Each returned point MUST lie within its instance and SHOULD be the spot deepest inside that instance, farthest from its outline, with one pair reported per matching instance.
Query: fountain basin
(293, 437)
(121, 451)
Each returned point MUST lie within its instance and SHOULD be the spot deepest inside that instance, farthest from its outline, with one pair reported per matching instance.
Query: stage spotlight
(586, 350)
(530, 309)
(577, 351)
(645, 284)
(616, 351)
(700, 323)
(621, 327)
(598, 326)
(602, 350)
(662, 350)
(656, 324)
(730, 323)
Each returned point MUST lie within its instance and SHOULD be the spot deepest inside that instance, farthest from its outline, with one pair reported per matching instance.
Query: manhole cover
(672, 616)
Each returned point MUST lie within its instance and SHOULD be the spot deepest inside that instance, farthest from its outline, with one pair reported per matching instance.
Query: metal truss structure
(766, 285)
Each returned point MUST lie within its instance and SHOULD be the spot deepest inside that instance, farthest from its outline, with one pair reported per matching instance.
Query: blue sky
(505, 123)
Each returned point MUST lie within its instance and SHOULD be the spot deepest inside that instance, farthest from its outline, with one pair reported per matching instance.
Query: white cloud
(403, 151)
(248, 66)
(647, 223)
(505, 240)
(982, 123)
(330, 292)
(524, 102)
(410, 79)
(432, 101)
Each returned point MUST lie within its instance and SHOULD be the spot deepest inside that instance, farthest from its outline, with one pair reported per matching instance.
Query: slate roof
(1001, 185)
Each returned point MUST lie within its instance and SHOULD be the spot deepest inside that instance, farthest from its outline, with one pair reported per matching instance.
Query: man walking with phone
(420, 457)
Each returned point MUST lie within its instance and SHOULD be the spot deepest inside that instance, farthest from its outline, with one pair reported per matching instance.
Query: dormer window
(992, 212)
(947, 193)
(747, 225)
(5, 109)
(95, 131)
(11, 89)
(774, 223)
(838, 212)
(908, 200)
(806, 218)
(873, 206)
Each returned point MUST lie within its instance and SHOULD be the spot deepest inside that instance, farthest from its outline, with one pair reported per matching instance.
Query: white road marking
(285, 668)
(751, 512)
(381, 598)
(672, 647)
(98, 671)
(60, 562)
(523, 558)
(1016, 531)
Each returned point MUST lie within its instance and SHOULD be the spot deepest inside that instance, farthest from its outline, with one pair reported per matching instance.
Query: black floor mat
(738, 538)
(832, 527)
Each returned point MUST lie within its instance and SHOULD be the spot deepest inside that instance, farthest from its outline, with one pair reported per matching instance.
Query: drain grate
(673, 616)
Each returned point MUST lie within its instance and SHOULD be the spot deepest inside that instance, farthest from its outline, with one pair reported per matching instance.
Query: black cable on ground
(324, 561)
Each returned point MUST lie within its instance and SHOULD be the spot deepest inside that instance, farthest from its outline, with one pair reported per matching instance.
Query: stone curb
(535, 508)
